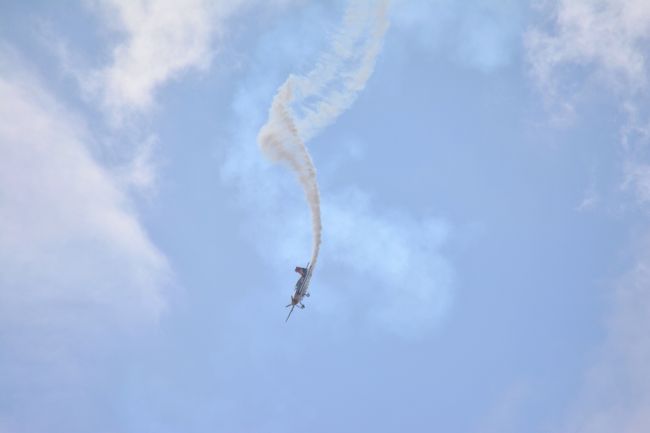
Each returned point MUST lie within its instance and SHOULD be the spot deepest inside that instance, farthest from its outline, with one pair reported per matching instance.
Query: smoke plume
(305, 104)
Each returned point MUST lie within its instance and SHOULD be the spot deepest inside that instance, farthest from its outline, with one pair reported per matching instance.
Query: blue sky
(484, 188)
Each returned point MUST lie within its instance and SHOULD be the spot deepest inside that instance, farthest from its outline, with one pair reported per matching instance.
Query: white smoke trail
(304, 105)
(281, 142)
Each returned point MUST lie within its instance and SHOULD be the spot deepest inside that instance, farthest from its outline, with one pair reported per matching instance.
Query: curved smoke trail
(304, 105)
(281, 142)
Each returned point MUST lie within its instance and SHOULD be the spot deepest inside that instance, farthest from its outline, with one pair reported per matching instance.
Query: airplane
(301, 288)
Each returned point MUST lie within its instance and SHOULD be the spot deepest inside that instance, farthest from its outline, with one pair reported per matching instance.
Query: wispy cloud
(56, 195)
(605, 42)
(600, 44)
(159, 40)
(616, 394)
(609, 37)
(637, 178)
(76, 263)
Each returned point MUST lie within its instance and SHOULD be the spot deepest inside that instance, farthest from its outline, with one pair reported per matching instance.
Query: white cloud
(609, 37)
(78, 270)
(159, 41)
(616, 395)
(637, 178)
(140, 174)
(599, 44)
(68, 237)
(606, 42)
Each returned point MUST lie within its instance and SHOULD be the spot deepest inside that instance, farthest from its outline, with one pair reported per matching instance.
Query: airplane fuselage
(301, 290)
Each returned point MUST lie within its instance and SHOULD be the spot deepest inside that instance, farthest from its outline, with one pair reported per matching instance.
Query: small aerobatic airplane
(301, 290)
